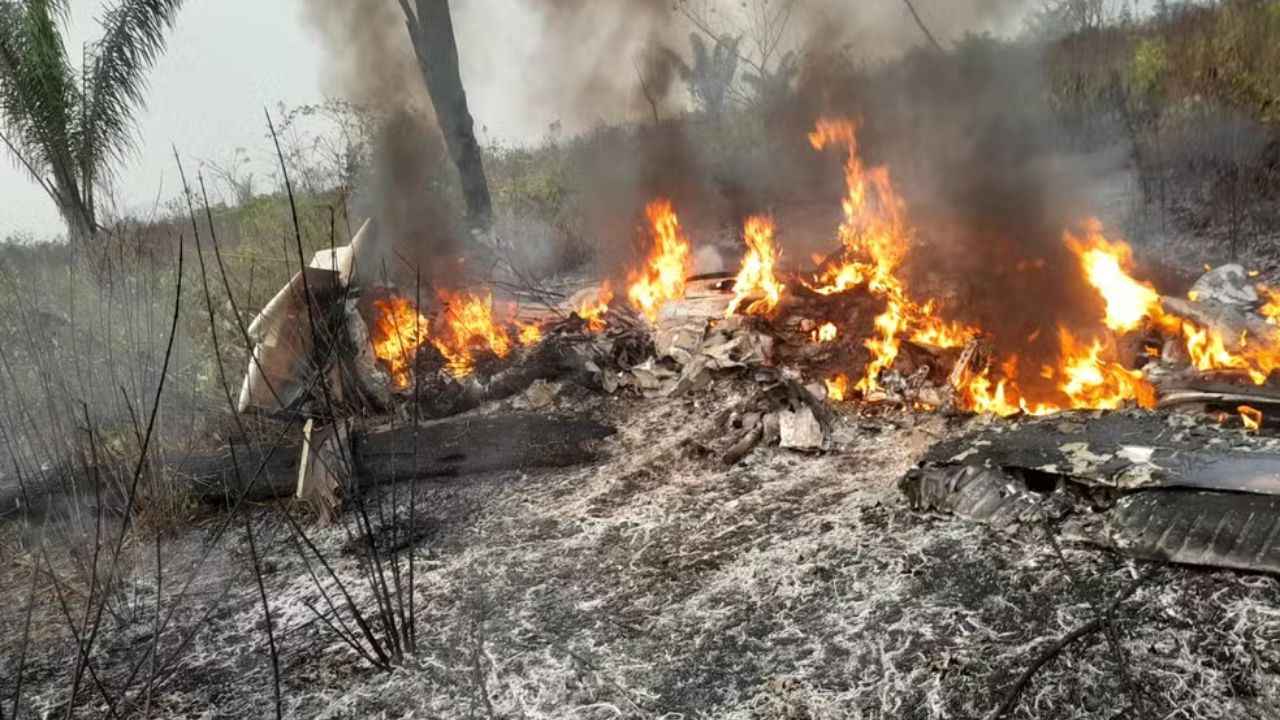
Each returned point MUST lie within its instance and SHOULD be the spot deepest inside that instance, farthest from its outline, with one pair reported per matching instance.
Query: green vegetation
(66, 127)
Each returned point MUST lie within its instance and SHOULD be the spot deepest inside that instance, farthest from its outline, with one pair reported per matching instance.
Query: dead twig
(648, 95)
(1096, 624)
(744, 445)
(920, 23)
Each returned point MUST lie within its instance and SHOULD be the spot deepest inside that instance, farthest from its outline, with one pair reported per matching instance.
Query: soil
(659, 583)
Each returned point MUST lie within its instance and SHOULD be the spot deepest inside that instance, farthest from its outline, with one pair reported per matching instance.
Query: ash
(660, 583)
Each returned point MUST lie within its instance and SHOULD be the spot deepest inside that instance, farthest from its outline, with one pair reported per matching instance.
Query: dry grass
(662, 584)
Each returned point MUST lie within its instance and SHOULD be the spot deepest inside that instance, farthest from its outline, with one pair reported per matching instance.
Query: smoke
(992, 181)
(415, 233)
(368, 54)
(879, 31)
(591, 62)
(967, 134)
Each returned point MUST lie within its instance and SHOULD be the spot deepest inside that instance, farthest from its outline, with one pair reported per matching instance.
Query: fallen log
(447, 448)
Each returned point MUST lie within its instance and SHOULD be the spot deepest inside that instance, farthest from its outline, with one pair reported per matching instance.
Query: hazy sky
(228, 59)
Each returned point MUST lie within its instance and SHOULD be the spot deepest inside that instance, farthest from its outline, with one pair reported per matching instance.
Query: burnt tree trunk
(431, 29)
(457, 447)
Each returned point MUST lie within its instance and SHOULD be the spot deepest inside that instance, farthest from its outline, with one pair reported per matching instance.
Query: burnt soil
(659, 583)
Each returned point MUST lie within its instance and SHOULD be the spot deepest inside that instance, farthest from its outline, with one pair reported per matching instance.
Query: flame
(1210, 350)
(756, 276)
(824, 333)
(669, 263)
(1086, 375)
(528, 333)
(1106, 266)
(1251, 417)
(593, 311)
(876, 239)
(400, 329)
(469, 328)
(985, 397)
(1130, 303)
(1092, 381)
(837, 388)
(1271, 304)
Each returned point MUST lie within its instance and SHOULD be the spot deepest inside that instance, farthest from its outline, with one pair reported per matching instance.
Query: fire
(469, 328)
(1092, 381)
(1086, 375)
(837, 388)
(1106, 266)
(1130, 303)
(669, 263)
(529, 333)
(985, 397)
(1251, 417)
(593, 311)
(756, 276)
(824, 333)
(1271, 304)
(466, 327)
(400, 330)
(876, 240)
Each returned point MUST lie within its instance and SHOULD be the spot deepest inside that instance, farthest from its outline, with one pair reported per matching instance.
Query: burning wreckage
(1140, 427)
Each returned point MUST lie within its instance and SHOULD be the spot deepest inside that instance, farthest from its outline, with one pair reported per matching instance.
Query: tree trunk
(457, 447)
(433, 41)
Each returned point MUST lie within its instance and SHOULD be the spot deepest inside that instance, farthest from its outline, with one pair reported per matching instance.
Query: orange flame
(1271, 304)
(529, 333)
(469, 328)
(1130, 302)
(1086, 376)
(1106, 267)
(1092, 381)
(876, 240)
(593, 311)
(756, 276)
(400, 329)
(669, 263)
(1251, 417)
(837, 388)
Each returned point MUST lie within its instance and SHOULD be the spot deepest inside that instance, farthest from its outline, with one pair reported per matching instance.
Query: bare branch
(644, 88)
(920, 23)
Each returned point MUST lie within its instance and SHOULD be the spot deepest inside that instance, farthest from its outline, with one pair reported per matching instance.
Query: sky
(229, 59)
(206, 98)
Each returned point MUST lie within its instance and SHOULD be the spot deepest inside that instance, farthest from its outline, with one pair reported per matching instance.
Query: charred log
(448, 448)
(550, 360)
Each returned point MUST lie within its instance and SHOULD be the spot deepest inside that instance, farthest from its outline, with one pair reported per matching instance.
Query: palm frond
(115, 78)
(38, 90)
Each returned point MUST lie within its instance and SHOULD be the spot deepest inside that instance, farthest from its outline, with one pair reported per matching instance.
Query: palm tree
(713, 70)
(67, 127)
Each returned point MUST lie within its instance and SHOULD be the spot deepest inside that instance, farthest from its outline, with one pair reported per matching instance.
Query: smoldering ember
(818, 361)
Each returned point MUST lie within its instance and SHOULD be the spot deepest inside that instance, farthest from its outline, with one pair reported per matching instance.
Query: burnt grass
(660, 583)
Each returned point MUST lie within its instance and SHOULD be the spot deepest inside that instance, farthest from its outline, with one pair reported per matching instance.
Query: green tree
(67, 127)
